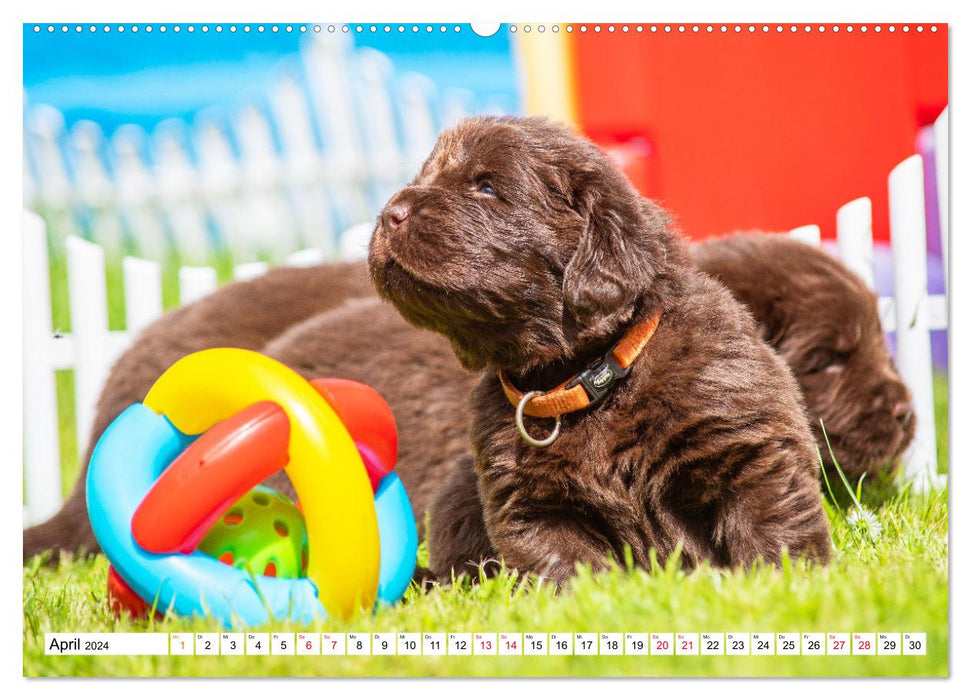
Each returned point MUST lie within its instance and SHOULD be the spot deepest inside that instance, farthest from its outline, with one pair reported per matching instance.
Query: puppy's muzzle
(395, 216)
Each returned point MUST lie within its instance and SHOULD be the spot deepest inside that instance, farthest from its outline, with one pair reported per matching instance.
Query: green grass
(896, 582)
(940, 420)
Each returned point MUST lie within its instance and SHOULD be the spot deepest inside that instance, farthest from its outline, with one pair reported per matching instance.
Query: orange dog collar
(591, 385)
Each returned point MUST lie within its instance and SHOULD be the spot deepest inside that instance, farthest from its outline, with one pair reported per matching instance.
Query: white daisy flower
(865, 522)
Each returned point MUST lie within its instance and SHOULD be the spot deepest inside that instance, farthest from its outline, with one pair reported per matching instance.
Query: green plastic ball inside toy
(263, 533)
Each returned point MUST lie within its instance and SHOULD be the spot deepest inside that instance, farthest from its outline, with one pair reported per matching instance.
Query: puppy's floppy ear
(614, 260)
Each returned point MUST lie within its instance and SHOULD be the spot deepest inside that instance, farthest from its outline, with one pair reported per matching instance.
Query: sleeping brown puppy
(533, 256)
(530, 254)
(823, 320)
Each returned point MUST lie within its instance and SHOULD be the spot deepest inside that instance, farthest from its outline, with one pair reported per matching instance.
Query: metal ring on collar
(545, 442)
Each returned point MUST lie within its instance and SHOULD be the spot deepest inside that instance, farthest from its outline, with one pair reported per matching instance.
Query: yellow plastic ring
(325, 467)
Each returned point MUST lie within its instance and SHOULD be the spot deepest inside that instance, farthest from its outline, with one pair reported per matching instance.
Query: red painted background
(765, 130)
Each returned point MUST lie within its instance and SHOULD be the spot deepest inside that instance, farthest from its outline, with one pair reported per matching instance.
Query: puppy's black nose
(394, 215)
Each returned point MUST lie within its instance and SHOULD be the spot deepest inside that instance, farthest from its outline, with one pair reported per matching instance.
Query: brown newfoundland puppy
(535, 258)
(523, 247)
(823, 320)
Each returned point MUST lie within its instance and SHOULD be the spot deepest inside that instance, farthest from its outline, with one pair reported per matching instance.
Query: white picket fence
(91, 348)
(337, 132)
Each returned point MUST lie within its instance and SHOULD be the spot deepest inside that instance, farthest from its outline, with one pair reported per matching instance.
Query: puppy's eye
(825, 360)
(485, 187)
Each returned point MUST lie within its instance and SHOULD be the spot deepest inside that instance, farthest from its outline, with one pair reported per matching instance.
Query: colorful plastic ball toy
(175, 500)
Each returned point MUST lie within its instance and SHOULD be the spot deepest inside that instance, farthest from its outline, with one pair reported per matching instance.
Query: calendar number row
(550, 644)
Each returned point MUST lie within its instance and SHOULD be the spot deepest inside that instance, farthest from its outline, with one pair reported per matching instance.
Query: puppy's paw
(424, 579)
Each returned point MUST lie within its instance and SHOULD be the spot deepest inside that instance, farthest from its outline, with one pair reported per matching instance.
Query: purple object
(936, 281)
(925, 147)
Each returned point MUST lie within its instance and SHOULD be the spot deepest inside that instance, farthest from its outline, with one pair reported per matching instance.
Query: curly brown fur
(531, 254)
(824, 322)
(243, 315)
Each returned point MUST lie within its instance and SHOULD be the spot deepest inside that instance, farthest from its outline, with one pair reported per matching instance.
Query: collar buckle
(600, 377)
